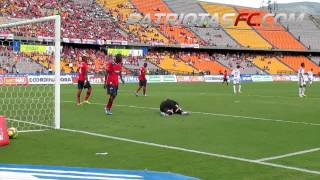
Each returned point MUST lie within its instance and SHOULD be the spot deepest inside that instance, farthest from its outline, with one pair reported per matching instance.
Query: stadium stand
(295, 61)
(306, 31)
(176, 34)
(242, 33)
(170, 62)
(315, 59)
(276, 35)
(244, 60)
(272, 65)
(203, 62)
(18, 63)
(121, 9)
(83, 19)
(213, 36)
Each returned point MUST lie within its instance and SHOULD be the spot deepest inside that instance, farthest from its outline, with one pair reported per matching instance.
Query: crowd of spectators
(83, 20)
(80, 19)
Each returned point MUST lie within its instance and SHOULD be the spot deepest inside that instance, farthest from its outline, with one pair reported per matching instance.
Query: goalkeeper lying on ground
(169, 107)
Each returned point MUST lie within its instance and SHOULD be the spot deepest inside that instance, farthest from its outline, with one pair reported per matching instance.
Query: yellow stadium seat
(272, 65)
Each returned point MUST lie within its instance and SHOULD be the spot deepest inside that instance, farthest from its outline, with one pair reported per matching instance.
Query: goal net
(30, 72)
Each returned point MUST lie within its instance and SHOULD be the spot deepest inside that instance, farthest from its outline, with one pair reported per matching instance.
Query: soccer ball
(12, 132)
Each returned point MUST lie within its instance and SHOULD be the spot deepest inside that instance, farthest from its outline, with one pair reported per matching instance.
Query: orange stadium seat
(295, 61)
(276, 35)
(122, 9)
(272, 65)
(174, 33)
(242, 33)
(205, 64)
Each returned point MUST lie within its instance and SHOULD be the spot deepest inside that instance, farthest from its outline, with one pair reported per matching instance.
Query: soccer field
(267, 132)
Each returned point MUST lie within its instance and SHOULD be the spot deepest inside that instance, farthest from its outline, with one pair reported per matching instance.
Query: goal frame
(57, 39)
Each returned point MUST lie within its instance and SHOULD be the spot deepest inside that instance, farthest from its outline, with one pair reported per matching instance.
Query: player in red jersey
(142, 80)
(225, 77)
(83, 82)
(113, 72)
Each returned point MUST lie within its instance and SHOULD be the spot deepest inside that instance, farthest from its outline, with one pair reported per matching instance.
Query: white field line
(193, 151)
(187, 150)
(231, 94)
(217, 114)
(36, 124)
(27, 131)
(288, 155)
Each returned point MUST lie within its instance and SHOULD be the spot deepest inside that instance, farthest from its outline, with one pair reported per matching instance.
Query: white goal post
(57, 49)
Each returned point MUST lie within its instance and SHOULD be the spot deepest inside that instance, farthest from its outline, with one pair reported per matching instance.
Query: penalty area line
(216, 114)
(288, 155)
(193, 151)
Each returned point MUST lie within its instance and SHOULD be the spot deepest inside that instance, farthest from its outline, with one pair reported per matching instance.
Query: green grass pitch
(259, 123)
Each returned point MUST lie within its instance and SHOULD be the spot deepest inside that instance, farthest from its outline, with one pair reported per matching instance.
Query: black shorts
(83, 85)
(112, 89)
(143, 83)
(225, 80)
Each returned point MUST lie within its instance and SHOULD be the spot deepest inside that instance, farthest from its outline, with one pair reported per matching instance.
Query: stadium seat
(122, 9)
(213, 36)
(272, 65)
(307, 31)
(276, 35)
(177, 34)
(295, 61)
(203, 63)
(242, 33)
(174, 65)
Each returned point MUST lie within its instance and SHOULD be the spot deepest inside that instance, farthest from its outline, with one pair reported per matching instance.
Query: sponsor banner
(153, 78)
(190, 78)
(125, 52)
(213, 78)
(44, 38)
(13, 80)
(6, 35)
(74, 40)
(261, 78)
(88, 41)
(169, 78)
(66, 40)
(97, 79)
(36, 48)
(246, 78)
(161, 78)
(190, 46)
(294, 77)
(100, 41)
(281, 78)
(131, 79)
(116, 42)
(49, 79)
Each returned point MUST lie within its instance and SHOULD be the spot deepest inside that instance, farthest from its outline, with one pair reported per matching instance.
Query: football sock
(109, 105)
(88, 94)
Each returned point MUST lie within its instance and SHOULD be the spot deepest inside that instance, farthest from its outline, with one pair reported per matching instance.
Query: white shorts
(236, 81)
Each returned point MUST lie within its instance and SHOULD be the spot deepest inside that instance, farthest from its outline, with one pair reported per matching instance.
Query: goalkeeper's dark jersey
(168, 104)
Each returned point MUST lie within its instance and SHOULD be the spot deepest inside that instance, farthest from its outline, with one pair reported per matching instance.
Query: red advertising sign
(14, 81)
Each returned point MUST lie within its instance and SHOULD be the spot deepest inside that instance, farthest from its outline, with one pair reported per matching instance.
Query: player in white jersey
(236, 80)
(302, 82)
(310, 77)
